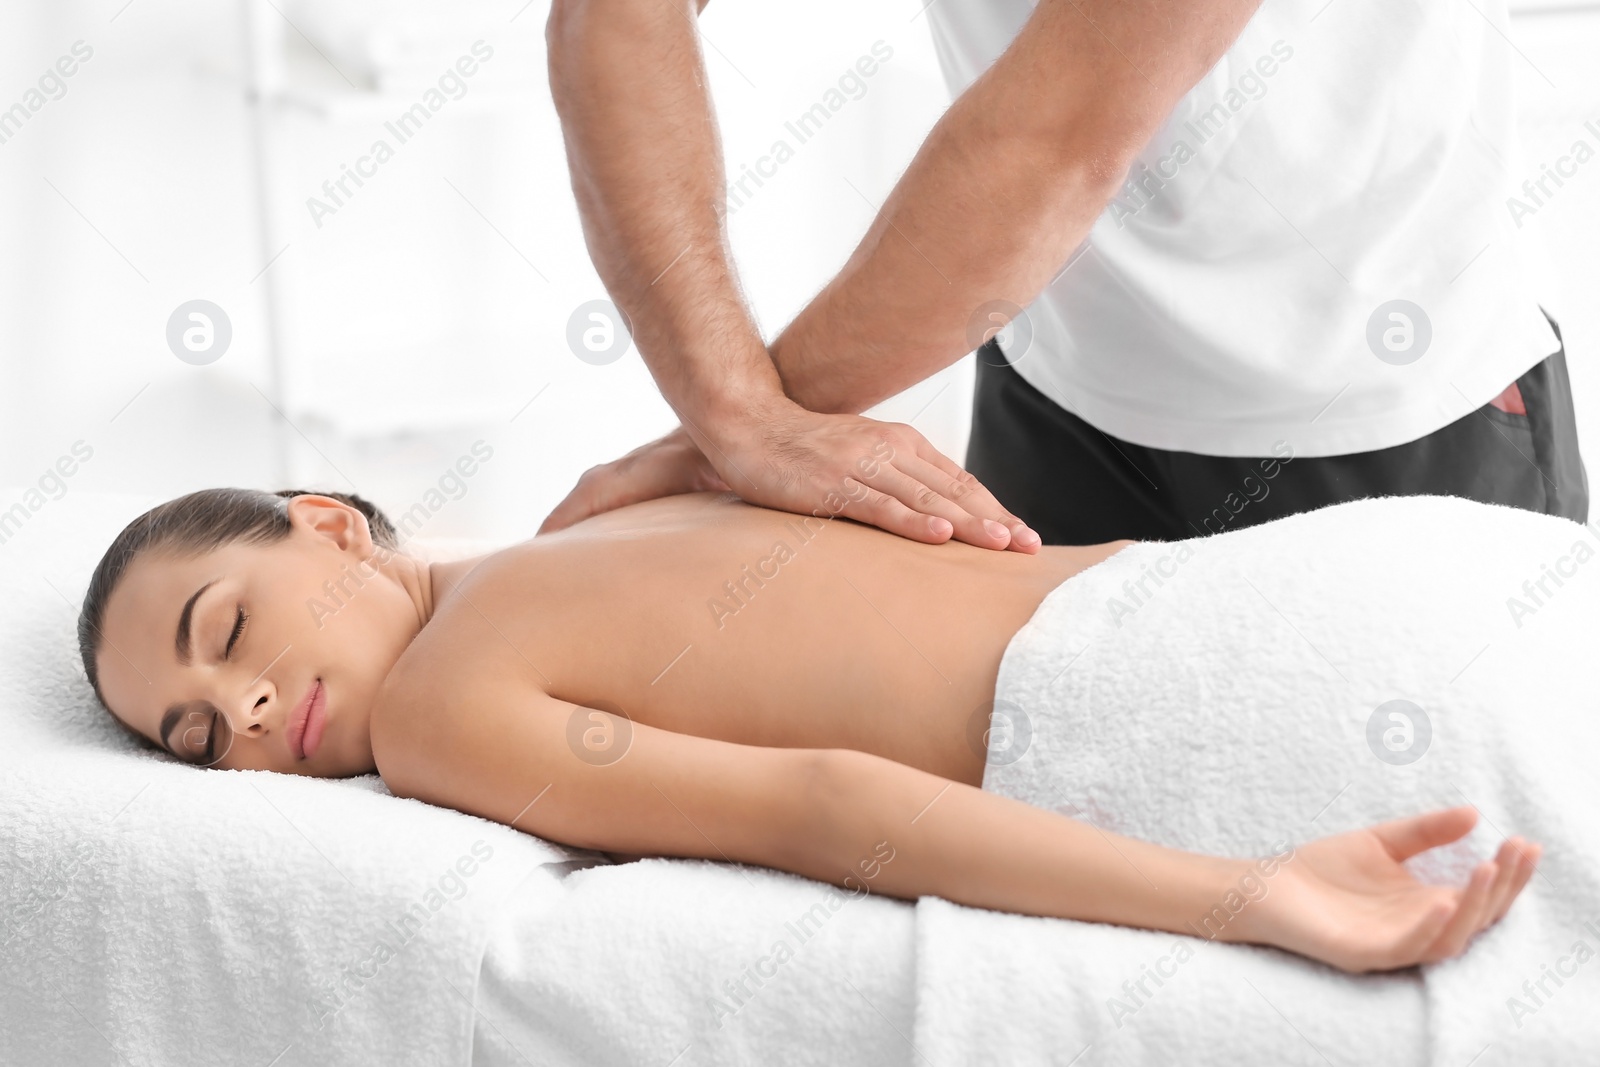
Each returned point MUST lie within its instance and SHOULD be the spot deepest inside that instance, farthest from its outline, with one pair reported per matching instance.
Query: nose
(246, 711)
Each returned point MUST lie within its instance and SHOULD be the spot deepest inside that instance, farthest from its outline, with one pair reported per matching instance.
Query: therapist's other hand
(884, 474)
(664, 467)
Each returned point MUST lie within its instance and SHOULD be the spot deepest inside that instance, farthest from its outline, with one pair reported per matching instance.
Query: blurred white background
(430, 310)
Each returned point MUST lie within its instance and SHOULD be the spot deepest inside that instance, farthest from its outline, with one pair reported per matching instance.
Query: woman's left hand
(1348, 900)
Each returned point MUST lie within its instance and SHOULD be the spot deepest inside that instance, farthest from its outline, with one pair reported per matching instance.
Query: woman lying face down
(697, 677)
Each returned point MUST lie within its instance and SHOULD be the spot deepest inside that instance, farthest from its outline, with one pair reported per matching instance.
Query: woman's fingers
(1525, 860)
(1471, 907)
(1509, 861)
(1404, 838)
(1485, 907)
(1489, 894)
(1420, 938)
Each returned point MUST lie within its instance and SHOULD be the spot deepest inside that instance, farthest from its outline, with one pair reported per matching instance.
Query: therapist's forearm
(642, 145)
(1004, 189)
(988, 210)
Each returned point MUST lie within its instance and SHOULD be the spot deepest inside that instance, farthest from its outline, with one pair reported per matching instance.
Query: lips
(307, 720)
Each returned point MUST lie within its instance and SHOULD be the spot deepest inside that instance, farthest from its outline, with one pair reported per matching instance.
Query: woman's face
(220, 657)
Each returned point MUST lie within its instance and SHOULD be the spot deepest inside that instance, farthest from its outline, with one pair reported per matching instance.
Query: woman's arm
(592, 779)
(1346, 899)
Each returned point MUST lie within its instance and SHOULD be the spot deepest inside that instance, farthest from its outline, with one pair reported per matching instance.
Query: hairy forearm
(984, 213)
(965, 845)
(629, 85)
(1006, 186)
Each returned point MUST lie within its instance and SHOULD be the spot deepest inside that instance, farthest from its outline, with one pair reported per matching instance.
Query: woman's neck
(438, 582)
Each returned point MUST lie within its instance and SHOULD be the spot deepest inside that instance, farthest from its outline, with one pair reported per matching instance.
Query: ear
(331, 520)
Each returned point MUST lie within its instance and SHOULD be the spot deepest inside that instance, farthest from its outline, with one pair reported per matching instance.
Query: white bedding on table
(691, 963)
(185, 916)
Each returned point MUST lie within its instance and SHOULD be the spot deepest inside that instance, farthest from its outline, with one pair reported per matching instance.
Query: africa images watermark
(399, 933)
(199, 332)
(806, 125)
(402, 128)
(1399, 732)
(1536, 992)
(803, 928)
(1255, 489)
(999, 732)
(1537, 592)
(51, 485)
(43, 890)
(453, 481)
(1137, 592)
(741, 591)
(1140, 192)
(51, 86)
(1537, 190)
(1251, 888)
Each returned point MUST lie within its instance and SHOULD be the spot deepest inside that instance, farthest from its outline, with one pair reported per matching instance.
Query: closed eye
(238, 628)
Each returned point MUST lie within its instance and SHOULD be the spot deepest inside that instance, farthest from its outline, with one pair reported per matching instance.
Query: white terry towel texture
(699, 964)
(1228, 708)
(155, 913)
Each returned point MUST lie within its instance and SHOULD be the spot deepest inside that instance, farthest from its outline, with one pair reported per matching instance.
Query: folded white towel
(152, 912)
(1219, 695)
(687, 962)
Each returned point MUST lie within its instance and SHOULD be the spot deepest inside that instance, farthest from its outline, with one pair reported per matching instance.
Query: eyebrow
(183, 641)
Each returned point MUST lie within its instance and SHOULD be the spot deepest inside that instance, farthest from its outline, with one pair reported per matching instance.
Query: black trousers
(1076, 485)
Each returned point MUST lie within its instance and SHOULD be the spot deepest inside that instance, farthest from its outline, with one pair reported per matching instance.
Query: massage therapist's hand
(785, 457)
(663, 467)
(1348, 900)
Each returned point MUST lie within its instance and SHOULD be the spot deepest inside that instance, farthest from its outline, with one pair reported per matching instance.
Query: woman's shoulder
(467, 654)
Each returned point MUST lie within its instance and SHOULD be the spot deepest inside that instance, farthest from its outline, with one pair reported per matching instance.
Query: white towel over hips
(1276, 684)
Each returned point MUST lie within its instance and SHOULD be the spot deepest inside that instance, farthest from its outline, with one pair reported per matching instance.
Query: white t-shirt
(1237, 293)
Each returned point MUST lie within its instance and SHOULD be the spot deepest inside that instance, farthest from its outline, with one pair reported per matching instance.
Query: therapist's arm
(646, 162)
(1004, 188)
(629, 84)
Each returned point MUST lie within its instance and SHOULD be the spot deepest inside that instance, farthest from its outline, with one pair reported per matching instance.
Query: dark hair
(191, 525)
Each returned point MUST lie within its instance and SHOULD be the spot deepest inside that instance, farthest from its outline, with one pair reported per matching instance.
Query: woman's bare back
(819, 721)
(703, 615)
